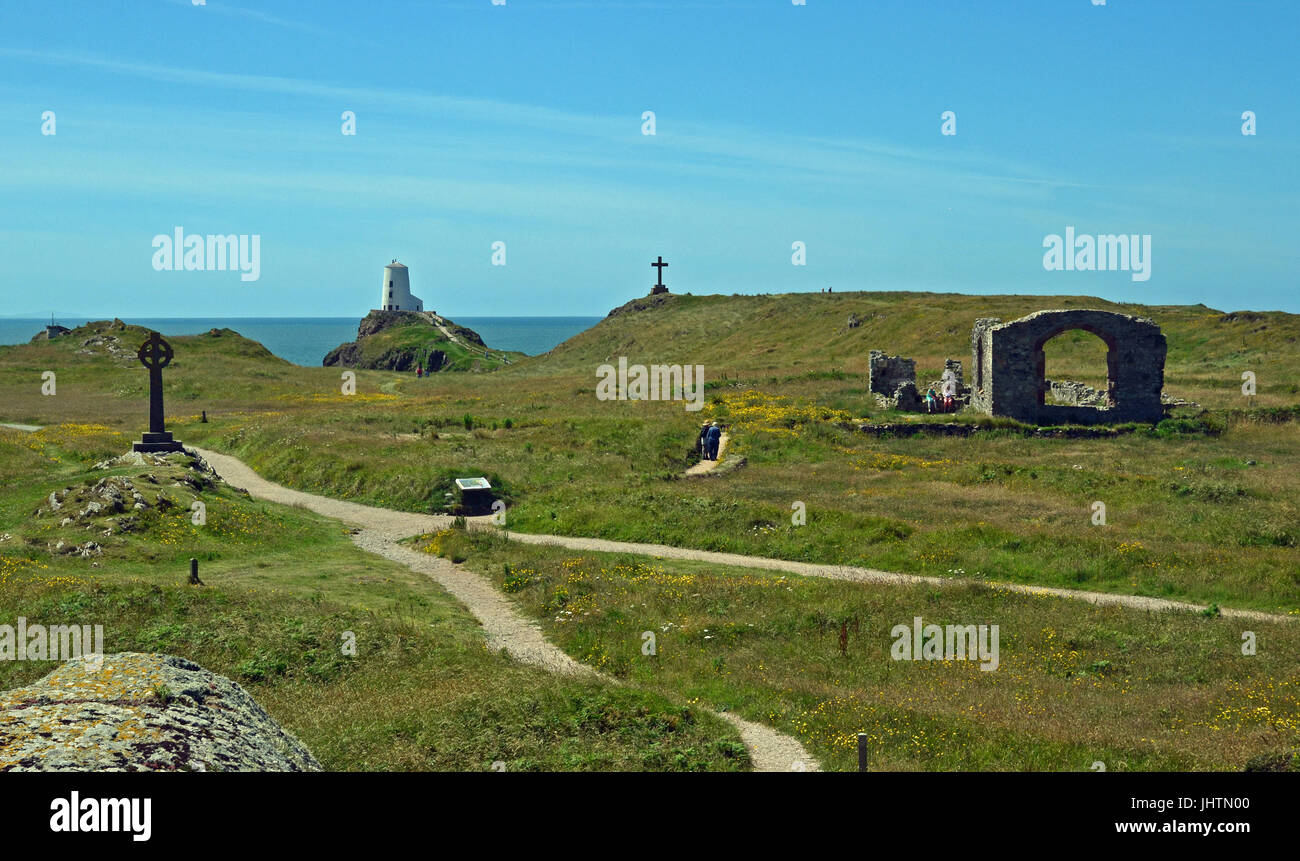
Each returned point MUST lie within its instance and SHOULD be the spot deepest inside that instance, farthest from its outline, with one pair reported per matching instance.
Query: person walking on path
(714, 436)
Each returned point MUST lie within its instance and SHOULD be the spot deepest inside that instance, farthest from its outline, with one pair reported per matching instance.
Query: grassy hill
(1202, 511)
(1214, 513)
(99, 378)
(760, 337)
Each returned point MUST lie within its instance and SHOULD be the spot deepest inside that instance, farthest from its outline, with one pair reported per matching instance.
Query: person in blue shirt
(714, 437)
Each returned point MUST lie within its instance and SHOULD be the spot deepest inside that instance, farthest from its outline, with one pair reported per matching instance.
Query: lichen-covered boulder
(141, 712)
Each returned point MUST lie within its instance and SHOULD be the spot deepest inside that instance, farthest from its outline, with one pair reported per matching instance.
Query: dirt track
(505, 627)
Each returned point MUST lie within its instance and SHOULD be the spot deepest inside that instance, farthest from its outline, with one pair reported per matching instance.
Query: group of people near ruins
(939, 404)
(709, 440)
(947, 401)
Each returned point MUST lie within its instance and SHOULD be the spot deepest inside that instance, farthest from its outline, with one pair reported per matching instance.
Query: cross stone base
(156, 442)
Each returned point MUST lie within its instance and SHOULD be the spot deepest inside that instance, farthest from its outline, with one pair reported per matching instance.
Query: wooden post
(862, 751)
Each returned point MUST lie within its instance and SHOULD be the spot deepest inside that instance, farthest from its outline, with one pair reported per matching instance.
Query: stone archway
(1040, 358)
(1010, 367)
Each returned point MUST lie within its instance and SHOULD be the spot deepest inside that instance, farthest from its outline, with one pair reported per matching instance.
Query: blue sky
(522, 123)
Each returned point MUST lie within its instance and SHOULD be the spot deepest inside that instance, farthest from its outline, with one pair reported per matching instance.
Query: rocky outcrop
(393, 359)
(401, 340)
(111, 338)
(112, 506)
(643, 303)
(142, 712)
(377, 321)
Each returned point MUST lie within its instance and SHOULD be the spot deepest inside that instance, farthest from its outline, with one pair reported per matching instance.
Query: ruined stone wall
(981, 363)
(887, 373)
(1075, 393)
(954, 365)
(1010, 381)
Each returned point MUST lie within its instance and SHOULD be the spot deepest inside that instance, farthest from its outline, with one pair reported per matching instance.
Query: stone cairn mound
(105, 339)
(142, 712)
(113, 504)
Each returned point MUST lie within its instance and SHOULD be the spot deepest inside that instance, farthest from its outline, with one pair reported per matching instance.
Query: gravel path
(872, 575)
(396, 522)
(505, 627)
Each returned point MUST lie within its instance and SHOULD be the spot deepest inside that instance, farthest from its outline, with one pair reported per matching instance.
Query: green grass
(1180, 523)
(1075, 683)
(1201, 508)
(1201, 517)
(282, 587)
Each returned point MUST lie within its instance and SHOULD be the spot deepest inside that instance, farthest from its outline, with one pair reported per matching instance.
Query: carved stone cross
(156, 354)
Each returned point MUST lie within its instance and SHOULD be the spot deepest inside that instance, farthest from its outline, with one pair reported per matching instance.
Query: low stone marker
(475, 494)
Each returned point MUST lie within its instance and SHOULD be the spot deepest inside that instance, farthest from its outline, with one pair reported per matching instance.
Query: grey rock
(142, 712)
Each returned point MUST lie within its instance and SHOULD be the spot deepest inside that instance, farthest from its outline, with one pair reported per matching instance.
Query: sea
(306, 340)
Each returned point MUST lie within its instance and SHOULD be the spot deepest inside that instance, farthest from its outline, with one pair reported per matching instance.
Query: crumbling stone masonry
(954, 365)
(1009, 363)
(887, 373)
(952, 370)
(893, 381)
(1076, 394)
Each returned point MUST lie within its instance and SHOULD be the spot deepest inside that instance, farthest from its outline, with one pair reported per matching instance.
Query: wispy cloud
(731, 147)
(250, 14)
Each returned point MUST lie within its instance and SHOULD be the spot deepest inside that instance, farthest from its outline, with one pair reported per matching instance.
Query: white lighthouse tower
(395, 293)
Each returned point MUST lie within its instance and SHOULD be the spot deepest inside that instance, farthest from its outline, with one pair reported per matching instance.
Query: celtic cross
(155, 354)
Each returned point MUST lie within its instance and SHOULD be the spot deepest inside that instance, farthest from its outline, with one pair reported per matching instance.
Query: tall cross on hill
(660, 264)
(156, 354)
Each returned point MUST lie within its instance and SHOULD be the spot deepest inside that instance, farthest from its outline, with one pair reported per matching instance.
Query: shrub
(1202, 424)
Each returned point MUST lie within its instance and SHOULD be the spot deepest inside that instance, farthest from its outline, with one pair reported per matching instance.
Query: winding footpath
(381, 530)
(873, 576)
(406, 524)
